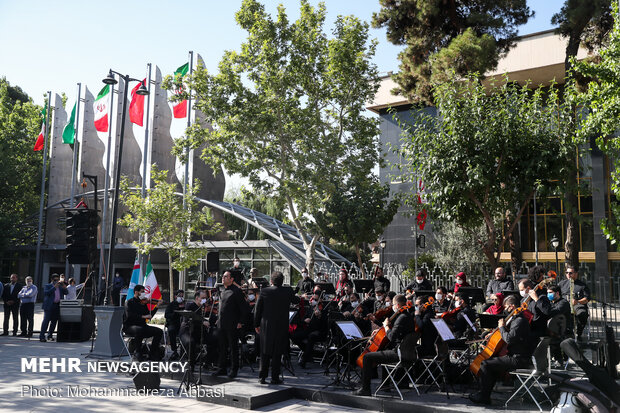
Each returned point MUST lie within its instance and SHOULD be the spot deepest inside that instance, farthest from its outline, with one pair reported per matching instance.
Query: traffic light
(81, 235)
(421, 241)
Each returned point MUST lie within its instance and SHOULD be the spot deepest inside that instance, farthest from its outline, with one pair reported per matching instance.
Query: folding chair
(434, 369)
(405, 364)
(529, 378)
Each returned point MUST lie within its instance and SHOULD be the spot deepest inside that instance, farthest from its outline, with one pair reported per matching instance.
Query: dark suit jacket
(48, 295)
(403, 325)
(233, 308)
(271, 315)
(6, 293)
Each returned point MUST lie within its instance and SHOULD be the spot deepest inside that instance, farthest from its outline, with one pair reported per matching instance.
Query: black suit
(135, 325)
(12, 308)
(233, 309)
(271, 315)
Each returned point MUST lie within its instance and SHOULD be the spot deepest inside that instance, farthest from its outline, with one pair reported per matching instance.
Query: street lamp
(555, 243)
(382, 244)
(111, 80)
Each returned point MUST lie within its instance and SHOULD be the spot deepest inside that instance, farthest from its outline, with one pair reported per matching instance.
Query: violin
(448, 315)
(423, 308)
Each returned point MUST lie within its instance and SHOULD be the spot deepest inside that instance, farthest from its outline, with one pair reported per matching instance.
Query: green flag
(68, 133)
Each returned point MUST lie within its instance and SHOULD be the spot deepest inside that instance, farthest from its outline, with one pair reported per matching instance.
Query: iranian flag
(136, 107)
(101, 108)
(151, 288)
(179, 109)
(38, 145)
(68, 133)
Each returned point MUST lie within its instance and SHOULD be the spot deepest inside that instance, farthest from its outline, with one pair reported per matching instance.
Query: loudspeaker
(213, 261)
(147, 381)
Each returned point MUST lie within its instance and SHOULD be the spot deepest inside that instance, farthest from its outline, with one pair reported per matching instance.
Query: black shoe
(361, 392)
(219, 372)
(302, 364)
(276, 381)
(5, 334)
(14, 334)
(29, 335)
(478, 398)
(23, 335)
(50, 338)
(262, 380)
(42, 340)
(174, 356)
(232, 374)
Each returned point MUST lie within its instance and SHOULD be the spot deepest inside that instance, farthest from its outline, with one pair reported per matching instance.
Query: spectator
(11, 303)
(73, 289)
(28, 296)
(51, 307)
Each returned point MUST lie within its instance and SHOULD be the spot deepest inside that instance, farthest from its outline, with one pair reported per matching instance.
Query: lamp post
(110, 80)
(382, 244)
(555, 243)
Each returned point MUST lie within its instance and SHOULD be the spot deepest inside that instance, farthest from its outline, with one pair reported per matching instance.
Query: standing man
(305, 285)
(233, 309)
(173, 321)
(237, 272)
(28, 296)
(11, 303)
(117, 286)
(271, 322)
(380, 282)
(420, 283)
(500, 284)
(52, 293)
(578, 302)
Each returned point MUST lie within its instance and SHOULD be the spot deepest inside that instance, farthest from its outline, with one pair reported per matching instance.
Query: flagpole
(37, 264)
(145, 157)
(189, 123)
(103, 270)
(76, 144)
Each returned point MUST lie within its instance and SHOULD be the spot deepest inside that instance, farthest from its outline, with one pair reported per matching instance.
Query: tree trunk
(359, 260)
(571, 246)
(170, 278)
(310, 255)
(514, 243)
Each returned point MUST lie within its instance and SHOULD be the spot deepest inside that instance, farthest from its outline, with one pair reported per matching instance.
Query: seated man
(559, 305)
(517, 336)
(193, 330)
(136, 314)
(420, 283)
(442, 303)
(403, 324)
(423, 314)
(460, 324)
(500, 283)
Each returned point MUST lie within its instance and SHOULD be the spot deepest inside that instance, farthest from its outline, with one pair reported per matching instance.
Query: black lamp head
(142, 90)
(109, 79)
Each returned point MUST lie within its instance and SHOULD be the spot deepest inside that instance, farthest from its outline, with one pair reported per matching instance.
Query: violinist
(357, 313)
(305, 285)
(173, 321)
(343, 281)
(380, 311)
(461, 305)
(136, 314)
(423, 315)
(380, 281)
(539, 306)
(442, 302)
(516, 336)
(401, 326)
(191, 339)
(314, 329)
(420, 282)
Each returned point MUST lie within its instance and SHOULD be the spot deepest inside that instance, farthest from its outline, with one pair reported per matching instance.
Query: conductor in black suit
(271, 322)
(233, 309)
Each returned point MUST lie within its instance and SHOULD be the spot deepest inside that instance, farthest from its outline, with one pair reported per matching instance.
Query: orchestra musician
(192, 329)
(343, 281)
(313, 329)
(425, 325)
(305, 285)
(237, 272)
(581, 296)
(559, 305)
(500, 283)
(380, 282)
(420, 282)
(136, 314)
(232, 310)
(461, 281)
(442, 302)
(539, 306)
(498, 304)
(516, 335)
(173, 321)
(271, 323)
(460, 324)
(403, 325)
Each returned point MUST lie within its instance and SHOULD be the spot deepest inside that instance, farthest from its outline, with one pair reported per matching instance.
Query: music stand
(474, 295)
(506, 293)
(327, 288)
(422, 293)
(291, 315)
(188, 376)
(364, 286)
(489, 320)
(442, 328)
(354, 339)
(260, 282)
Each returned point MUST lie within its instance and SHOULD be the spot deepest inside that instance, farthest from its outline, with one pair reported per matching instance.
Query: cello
(495, 344)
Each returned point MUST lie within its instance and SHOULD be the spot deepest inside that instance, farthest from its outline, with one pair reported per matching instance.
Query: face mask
(459, 281)
(438, 296)
(179, 300)
(354, 304)
(251, 297)
(551, 296)
(458, 304)
(419, 280)
(142, 296)
(394, 308)
(305, 274)
(29, 283)
(522, 292)
(313, 303)
(203, 301)
(379, 297)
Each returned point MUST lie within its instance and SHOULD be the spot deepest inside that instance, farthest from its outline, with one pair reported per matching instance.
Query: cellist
(403, 324)
(516, 335)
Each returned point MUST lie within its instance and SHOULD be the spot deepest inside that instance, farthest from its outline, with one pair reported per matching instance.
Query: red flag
(38, 146)
(180, 109)
(136, 107)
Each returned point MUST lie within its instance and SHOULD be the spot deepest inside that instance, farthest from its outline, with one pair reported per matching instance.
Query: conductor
(271, 322)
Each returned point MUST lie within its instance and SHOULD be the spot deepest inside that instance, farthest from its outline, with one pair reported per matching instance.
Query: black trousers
(173, 333)
(139, 333)
(275, 360)
(370, 364)
(26, 311)
(492, 369)
(313, 338)
(228, 343)
(8, 311)
(50, 318)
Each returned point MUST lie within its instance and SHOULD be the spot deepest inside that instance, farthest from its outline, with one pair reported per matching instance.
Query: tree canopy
(442, 35)
(288, 109)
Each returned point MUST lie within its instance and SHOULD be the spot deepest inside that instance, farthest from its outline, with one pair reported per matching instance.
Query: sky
(52, 45)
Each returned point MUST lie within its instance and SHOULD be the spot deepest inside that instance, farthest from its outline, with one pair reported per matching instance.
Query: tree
(602, 98)
(288, 110)
(444, 35)
(454, 251)
(358, 212)
(256, 200)
(484, 153)
(20, 166)
(582, 22)
(161, 218)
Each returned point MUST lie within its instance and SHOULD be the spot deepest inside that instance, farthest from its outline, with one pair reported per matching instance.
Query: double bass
(495, 344)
